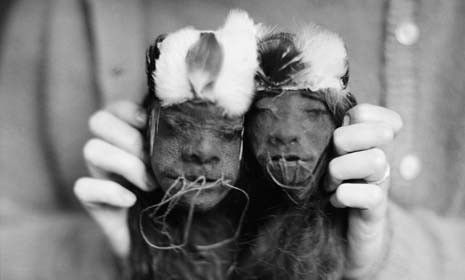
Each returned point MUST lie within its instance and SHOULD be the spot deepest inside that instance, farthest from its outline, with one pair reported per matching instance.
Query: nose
(201, 152)
(285, 134)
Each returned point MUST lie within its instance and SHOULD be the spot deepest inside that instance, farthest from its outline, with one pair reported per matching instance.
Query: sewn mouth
(289, 171)
(208, 178)
(286, 158)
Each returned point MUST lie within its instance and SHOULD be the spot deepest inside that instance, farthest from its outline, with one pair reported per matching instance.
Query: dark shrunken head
(288, 134)
(289, 129)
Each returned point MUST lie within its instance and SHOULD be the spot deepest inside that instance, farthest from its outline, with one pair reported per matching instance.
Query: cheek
(257, 131)
(230, 155)
(317, 133)
(166, 152)
(231, 167)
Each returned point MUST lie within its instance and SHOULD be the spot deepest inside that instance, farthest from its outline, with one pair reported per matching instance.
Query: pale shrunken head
(301, 98)
(195, 148)
(201, 85)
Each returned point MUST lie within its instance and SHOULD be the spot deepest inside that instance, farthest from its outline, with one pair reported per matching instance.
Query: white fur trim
(172, 86)
(325, 55)
(234, 86)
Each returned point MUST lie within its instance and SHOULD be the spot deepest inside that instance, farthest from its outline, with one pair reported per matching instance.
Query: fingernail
(346, 120)
(335, 202)
(128, 199)
(141, 117)
(149, 183)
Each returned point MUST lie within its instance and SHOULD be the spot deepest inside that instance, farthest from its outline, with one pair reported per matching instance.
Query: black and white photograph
(232, 139)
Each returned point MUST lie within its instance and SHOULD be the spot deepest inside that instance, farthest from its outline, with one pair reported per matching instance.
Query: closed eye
(264, 110)
(231, 134)
(315, 113)
(176, 125)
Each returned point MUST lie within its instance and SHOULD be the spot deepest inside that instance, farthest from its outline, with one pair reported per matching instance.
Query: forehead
(291, 100)
(200, 112)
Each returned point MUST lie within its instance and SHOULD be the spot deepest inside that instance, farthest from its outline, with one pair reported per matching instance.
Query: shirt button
(410, 167)
(407, 33)
(117, 71)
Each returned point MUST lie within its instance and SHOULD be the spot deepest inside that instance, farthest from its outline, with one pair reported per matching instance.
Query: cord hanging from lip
(171, 200)
(316, 171)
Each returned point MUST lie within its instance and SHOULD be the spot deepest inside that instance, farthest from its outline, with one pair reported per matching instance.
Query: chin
(207, 196)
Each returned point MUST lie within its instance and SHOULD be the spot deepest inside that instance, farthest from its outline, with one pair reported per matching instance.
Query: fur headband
(217, 66)
(314, 59)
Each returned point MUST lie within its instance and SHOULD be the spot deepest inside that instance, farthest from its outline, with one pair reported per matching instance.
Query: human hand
(116, 149)
(366, 128)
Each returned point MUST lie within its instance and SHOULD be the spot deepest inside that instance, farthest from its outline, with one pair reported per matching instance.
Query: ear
(345, 78)
(151, 56)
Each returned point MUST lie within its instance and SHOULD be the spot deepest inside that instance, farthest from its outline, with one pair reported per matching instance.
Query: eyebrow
(218, 124)
(314, 95)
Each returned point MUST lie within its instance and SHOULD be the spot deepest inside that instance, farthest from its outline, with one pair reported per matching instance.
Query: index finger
(362, 113)
(97, 192)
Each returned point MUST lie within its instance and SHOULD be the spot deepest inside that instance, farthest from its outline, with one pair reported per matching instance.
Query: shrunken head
(201, 84)
(288, 134)
(301, 98)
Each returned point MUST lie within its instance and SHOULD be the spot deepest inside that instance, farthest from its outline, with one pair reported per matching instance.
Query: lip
(295, 172)
(193, 177)
(289, 158)
(208, 179)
